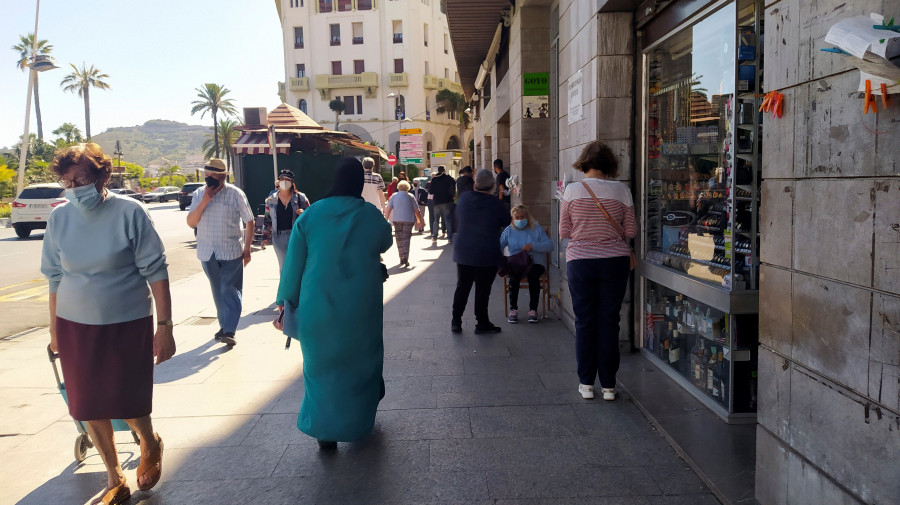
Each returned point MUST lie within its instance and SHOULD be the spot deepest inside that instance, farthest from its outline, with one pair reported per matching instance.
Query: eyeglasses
(74, 182)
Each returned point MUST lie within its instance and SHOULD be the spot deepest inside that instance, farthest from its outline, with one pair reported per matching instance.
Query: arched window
(399, 108)
(302, 106)
(453, 143)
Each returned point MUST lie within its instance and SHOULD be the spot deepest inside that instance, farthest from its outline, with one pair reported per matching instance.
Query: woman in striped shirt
(598, 264)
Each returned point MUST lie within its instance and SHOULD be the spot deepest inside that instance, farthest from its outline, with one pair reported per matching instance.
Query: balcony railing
(400, 80)
(335, 41)
(357, 40)
(398, 38)
(299, 83)
(280, 88)
(298, 44)
(363, 80)
(449, 84)
(431, 82)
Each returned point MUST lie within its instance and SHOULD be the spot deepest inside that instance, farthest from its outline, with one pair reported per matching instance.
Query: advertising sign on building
(411, 146)
(575, 83)
(536, 95)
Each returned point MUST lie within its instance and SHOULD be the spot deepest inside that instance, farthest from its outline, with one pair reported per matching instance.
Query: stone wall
(601, 45)
(829, 361)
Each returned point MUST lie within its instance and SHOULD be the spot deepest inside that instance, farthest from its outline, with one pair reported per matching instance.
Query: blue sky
(156, 53)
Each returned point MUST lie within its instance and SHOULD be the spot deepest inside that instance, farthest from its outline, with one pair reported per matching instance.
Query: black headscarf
(348, 178)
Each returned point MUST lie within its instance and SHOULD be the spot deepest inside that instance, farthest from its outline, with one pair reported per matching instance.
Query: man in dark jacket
(465, 181)
(443, 187)
(482, 217)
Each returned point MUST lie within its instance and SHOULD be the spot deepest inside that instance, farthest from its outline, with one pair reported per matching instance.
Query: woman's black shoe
(326, 445)
(487, 329)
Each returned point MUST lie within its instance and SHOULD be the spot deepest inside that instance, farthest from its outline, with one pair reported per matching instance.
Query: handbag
(516, 264)
(289, 324)
(619, 229)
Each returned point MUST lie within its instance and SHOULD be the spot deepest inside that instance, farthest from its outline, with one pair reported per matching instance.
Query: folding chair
(545, 290)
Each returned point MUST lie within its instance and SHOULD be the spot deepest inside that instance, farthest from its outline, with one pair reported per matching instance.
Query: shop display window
(700, 210)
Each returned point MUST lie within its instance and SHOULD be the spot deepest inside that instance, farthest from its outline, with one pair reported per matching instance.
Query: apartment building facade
(385, 59)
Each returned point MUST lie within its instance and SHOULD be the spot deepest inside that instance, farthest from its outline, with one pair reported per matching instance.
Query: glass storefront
(700, 206)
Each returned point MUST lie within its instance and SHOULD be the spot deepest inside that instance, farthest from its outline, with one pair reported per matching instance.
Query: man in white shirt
(373, 187)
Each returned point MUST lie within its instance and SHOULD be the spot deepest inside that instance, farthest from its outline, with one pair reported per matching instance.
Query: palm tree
(82, 81)
(24, 47)
(338, 107)
(449, 101)
(228, 134)
(69, 134)
(212, 99)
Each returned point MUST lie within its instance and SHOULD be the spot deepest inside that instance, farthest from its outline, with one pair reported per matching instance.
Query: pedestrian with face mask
(525, 234)
(282, 209)
(103, 260)
(224, 221)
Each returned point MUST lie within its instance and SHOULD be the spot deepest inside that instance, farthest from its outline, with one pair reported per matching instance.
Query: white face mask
(285, 185)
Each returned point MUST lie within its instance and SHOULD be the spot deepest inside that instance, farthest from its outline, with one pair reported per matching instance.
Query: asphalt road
(23, 289)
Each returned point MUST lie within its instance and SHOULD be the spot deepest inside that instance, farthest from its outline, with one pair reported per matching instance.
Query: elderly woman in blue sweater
(525, 234)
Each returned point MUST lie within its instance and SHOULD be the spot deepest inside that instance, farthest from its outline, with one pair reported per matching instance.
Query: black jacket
(481, 219)
(443, 187)
(463, 184)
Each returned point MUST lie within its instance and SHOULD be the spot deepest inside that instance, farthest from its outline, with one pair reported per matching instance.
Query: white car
(162, 194)
(32, 207)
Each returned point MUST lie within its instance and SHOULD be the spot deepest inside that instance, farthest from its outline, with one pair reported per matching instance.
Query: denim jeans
(226, 278)
(442, 213)
(280, 240)
(598, 287)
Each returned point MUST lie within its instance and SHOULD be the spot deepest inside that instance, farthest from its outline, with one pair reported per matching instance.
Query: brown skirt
(108, 368)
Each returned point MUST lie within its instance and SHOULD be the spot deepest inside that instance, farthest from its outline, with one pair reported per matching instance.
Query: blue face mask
(84, 197)
(520, 223)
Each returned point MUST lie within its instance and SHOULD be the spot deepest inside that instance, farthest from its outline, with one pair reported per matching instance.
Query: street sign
(411, 131)
(411, 161)
(392, 160)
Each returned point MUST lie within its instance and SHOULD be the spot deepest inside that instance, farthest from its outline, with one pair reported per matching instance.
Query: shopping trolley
(83, 440)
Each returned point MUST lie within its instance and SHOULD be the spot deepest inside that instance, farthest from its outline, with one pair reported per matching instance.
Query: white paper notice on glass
(856, 36)
(575, 85)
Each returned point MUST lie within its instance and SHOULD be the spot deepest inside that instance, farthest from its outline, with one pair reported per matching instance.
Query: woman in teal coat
(333, 277)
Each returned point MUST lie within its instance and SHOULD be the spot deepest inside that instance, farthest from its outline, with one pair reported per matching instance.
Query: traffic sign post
(392, 160)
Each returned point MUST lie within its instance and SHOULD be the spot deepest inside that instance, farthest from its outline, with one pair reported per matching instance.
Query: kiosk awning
(258, 143)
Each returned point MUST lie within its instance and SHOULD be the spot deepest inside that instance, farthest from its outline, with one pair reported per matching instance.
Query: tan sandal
(117, 495)
(149, 462)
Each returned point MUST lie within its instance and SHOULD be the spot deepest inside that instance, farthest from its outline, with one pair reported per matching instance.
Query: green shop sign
(537, 84)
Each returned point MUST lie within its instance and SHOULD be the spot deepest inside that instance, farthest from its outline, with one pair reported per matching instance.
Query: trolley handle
(52, 355)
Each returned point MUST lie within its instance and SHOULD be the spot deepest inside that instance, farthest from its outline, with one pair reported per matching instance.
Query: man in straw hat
(224, 221)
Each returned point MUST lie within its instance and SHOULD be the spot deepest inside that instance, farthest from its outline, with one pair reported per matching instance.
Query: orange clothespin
(765, 103)
(885, 99)
(778, 109)
(869, 99)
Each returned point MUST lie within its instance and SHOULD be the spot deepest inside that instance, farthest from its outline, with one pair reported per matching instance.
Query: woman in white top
(402, 211)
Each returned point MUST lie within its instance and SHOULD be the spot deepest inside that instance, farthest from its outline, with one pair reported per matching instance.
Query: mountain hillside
(149, 143)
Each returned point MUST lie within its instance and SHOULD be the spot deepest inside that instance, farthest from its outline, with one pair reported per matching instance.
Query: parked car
(127, 192)
(187, 194)
(32, 207)
(162, 194)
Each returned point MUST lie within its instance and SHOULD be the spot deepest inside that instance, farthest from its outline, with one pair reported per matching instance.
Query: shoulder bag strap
(619, 229)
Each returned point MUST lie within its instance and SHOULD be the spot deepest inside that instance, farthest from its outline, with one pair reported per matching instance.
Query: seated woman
(524, 234)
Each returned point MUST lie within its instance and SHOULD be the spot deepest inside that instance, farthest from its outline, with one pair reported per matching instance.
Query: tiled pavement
(468, 419)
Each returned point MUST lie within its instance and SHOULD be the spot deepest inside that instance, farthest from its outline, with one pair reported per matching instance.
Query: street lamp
(37, 64)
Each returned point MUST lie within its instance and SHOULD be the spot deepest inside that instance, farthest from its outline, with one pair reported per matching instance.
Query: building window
(399, 107)
(302, 106)
(428, 146)
(425, 31)
(335, 34)
(324, 5)
(359, 104)
(296, 3)
(298, 37)
(336, 68)
(349, 109)
(345, 5)
(359, 66)
(446, 44)
(398, 31)
(427, 68)
(456, 77)
(446, 73)
(398, 65)
(357, 33)
(486, 91)
(443, 6)
(301, 70)
(364, 5)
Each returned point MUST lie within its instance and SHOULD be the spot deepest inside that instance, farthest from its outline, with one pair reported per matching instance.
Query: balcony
(335, 41)
(398, 80)
(449, 84)
(398, 38)
(363, 80)
(431, 82)
(357, 40)
(298, 83)
(281, 91)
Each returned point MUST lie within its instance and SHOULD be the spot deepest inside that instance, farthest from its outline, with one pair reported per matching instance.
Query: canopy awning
(258, 143)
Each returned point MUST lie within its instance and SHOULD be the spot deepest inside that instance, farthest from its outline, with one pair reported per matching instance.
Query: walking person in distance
(282, 209)
(402, 211)
(598, 262)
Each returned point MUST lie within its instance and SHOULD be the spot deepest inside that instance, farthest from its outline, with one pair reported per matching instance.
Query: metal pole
(23, 149)
(274, 147)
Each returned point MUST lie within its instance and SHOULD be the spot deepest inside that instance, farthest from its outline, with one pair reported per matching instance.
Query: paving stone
(235, 490)
(424, 424)
(386, 486)
(408, 393)
(525, 421)
(205, 463)
(210, 431)
(549, 482)
(423, 366)
(486, 382)
(506, 453)
(619, 417)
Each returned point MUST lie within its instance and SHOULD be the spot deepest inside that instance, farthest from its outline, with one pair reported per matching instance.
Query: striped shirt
(590, 234)
(221, 227)
(373, 178)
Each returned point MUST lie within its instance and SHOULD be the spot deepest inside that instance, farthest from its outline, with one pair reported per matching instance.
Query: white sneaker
(587, 392)
(609, 394)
